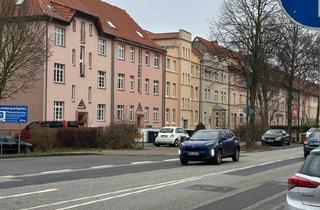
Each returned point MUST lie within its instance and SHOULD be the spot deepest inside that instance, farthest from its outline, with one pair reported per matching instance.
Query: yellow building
(182, 79)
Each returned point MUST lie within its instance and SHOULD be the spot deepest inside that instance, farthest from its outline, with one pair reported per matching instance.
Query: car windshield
(205, 136)
(311, 130)
(274, 132)
(312, 166)
(166, 130)
(315, 135)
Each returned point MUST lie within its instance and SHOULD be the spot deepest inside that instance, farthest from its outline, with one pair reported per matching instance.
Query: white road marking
(263, 202)
(103, 166)
(56, 172)
(96, 196)
(171, 160)
(141, 189)
(30, 193)
(143, 162)
(7, 177)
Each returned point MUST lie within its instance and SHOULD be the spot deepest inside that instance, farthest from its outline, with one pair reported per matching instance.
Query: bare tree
(295, 50)
(247, 28)
(23, 47)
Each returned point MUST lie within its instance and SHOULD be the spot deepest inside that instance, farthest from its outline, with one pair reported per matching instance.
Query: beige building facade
(182, 84)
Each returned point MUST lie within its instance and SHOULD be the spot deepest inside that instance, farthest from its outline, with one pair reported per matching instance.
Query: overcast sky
(172, 15)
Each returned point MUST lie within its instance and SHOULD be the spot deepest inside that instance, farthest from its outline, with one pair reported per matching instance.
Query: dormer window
(140, 34)
(111, 25)
(19, 2)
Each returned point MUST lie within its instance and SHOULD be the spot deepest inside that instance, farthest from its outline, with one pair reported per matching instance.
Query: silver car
(304, 187)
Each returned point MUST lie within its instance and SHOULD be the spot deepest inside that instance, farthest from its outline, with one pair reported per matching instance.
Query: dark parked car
(210, 145)
(275, 136)
(11, 145)
(312, 142)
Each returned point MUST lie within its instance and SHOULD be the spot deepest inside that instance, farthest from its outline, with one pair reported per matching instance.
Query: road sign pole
(19, 146)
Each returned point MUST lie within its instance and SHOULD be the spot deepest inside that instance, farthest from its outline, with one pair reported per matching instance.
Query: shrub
(43, 139)
(119, 136)
(78, 137)
(200, 126)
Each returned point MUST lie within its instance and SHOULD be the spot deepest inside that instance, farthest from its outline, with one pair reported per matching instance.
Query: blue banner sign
(13, 114)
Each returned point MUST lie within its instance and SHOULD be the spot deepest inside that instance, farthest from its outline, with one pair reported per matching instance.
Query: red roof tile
(158, 36)
(196, 52)
(126, 28)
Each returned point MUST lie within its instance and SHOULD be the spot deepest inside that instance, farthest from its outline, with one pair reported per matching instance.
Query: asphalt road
(258, 181)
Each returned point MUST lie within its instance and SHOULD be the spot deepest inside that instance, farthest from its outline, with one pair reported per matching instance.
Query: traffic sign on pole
(303, 12)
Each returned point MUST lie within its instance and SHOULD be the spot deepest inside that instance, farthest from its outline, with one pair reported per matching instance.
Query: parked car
(312, 142)
(210, 145)
(11, 145)
(25, 132)
(309, 132)
(275, 136)
(171, 136)
(304, 187)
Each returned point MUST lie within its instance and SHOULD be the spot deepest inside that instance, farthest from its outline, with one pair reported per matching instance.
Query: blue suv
(210, 145)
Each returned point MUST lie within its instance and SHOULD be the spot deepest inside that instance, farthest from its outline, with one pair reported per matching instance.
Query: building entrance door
(83, 119)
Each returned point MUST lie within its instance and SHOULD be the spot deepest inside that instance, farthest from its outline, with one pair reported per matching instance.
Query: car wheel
(28, 150)
(157, 145)
(288, 143)
(184, 162)
(176, 143)
(236, 156)
(282, 142)
(217, 158)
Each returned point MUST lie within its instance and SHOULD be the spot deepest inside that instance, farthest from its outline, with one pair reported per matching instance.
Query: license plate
(269, 140)
(193, 153)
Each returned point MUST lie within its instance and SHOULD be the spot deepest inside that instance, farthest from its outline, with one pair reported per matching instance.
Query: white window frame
(131, 83)
(147, 58)
(59, 36)
(146, 114)
(132, 54)
(168, 89)
(155, 115)
(73, 57)
(102, 43)
(101, 79)
(147, 86)
(120, 112)
(121, 51)
(73, 93)
(156, 87)
(59, 70)
(101, 112)
(167, 116)
(90, 60)
(58, 110)
(156, 60)
(131, 113)
(89, 95)
(121, 82)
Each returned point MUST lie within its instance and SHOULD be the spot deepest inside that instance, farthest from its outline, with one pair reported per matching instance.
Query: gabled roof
(125, 27)
(196, 52)
(212, 47)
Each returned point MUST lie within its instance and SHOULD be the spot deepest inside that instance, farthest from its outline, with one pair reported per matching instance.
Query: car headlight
(262, 138)
(208, 144)
(212, 152)
(278, 139)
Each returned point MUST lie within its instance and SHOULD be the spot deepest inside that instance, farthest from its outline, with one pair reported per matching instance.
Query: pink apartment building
(102, 67)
